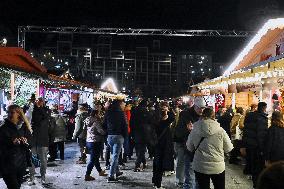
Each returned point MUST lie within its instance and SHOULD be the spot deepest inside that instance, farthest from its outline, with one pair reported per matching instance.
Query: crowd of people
(191, 141)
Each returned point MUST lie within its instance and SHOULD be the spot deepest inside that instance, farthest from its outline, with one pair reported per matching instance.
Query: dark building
(143, 66)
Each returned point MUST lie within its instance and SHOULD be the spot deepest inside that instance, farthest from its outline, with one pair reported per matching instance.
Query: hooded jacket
(60, 130)
(79, 125)
(209, 157)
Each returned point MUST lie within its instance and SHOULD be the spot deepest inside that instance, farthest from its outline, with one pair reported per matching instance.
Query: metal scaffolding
(22, 30)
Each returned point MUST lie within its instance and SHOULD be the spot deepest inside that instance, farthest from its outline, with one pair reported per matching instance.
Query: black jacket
(41, 121)
(181, 131)
(274, 144)
(164, 150)
(225, 121)
(141, 125)
(115, 123)
(13, 158)
(255, 130)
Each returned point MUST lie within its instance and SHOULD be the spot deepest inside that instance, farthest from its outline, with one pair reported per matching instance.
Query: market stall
(19, 73)
(254, 75)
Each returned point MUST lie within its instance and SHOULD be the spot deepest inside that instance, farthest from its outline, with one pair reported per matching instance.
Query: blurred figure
(29, 108)
(80, 131)
(141, 120)
(95, 139)
(60, 132)
(14, 144)
(184, 172)
(255, 130)
(210, 142)
(274, 141)
(272, 177)
(126, 145)
(236, 128)
(41, 127)
(164, 149)
(225, 120)
(116, 126)
(71, 119)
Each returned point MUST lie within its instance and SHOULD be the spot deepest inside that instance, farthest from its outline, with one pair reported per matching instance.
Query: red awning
(18, 59)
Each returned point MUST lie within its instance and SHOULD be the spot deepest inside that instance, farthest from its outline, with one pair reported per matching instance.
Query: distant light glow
(111, 82)
(269, 25)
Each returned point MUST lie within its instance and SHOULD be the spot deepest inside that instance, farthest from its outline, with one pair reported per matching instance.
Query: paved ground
(68, 175)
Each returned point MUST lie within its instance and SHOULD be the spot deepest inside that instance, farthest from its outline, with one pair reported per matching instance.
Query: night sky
(179, 14)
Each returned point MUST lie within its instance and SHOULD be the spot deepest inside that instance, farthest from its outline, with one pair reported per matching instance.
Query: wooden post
(12, 86)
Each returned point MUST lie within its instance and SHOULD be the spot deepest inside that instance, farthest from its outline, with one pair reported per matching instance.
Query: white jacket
(209, 157)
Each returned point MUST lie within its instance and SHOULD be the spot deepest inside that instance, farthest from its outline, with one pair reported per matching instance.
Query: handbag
(193, 153)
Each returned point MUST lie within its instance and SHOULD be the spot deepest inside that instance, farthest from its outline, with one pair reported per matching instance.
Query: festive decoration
(219, 101)
(24, 88)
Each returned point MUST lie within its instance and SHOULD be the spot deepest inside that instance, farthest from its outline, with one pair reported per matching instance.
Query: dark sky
(179, 14)
(188, 14)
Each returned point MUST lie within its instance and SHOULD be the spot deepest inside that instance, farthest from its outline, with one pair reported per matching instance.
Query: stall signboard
(242, 100)
(247, 87)
(273, 83)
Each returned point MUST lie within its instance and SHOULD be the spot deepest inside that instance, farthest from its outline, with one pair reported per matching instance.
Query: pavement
(68, 175)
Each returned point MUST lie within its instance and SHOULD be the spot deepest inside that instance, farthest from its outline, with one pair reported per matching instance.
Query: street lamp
(3, 42)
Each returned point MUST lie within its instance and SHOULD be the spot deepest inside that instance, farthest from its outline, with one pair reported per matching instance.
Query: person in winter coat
(126, 145)
(141, 120)
(95, 139)
(60, 132)
(116, 126)
(80, 133)
(41, 126)
(184, 172)
(14, 143)
(225, 120)
(210, 142)
(236, 128)
(71, 119)
(255, 130)
(274, 141)
(164, 149)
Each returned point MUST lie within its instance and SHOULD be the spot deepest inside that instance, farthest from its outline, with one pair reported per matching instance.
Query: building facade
(143, 67)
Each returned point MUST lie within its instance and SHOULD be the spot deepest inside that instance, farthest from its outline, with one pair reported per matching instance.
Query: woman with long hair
(15, 138)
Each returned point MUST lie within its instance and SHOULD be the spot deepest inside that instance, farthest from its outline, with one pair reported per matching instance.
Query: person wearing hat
(184, 172)
(80, 133)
